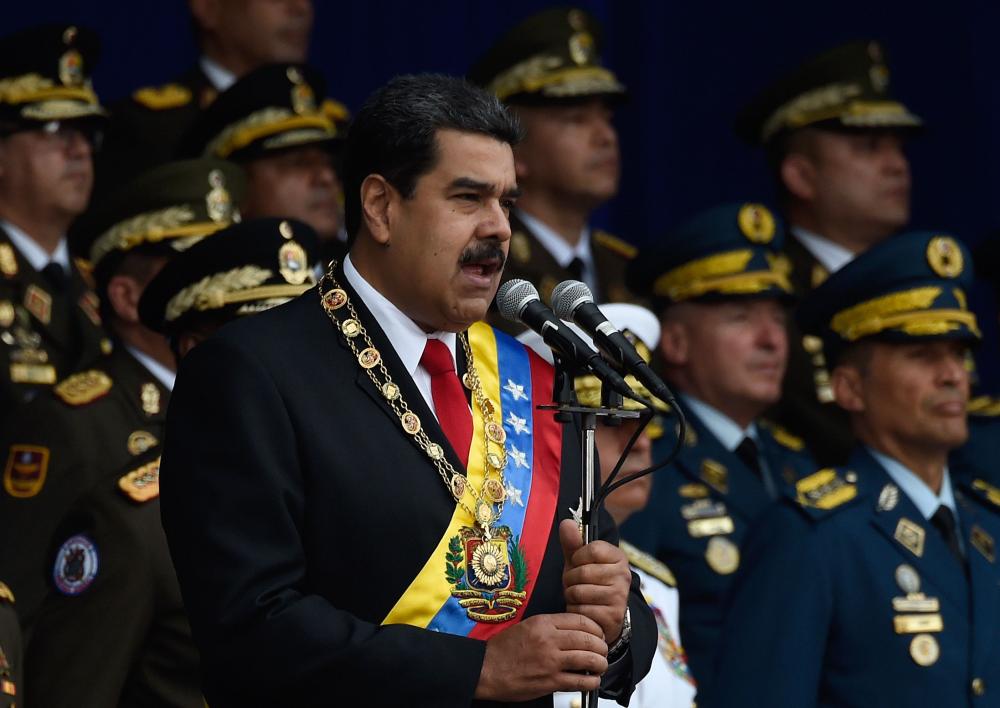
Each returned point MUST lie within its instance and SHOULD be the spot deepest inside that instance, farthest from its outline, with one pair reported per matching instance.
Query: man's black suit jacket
(297, 513)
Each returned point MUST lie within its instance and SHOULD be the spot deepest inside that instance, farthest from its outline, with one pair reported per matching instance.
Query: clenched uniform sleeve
(233, 502)
(778, 618)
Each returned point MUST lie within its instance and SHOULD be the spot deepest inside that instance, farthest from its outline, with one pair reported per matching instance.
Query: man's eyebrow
(483, 187)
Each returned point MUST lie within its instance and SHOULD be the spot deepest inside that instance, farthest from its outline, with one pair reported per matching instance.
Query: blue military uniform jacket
(849, 597)
(978, 457)
(698, 516)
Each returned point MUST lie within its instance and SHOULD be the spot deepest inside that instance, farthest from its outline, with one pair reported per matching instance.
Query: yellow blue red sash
(517, 380)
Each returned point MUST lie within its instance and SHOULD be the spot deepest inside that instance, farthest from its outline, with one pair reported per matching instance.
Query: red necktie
(453, 412)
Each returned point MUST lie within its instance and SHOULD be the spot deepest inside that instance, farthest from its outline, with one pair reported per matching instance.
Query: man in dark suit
(721, 284)
(876, 583)
(347, 522)
(50, 118)
(548, 70)
(834, 139)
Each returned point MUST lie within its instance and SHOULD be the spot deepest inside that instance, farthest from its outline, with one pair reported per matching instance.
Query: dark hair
(395, 132)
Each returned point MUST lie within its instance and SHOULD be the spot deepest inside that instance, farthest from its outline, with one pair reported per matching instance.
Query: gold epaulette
(645, 562)
(824, 490)
(987, 491)
(5, 594)
(160, 98)
(985, 406)
(335, 111)
(86, 272)
(83, 388)
(783, 437)
(143, 483)
(613, 243)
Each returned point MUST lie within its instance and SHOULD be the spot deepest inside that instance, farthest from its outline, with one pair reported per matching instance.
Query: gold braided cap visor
(838, 102)
(265, 124)
(547, 76)
(909, 312)
(176, 222)
(42, 99)
(239, 285)
(723, 274)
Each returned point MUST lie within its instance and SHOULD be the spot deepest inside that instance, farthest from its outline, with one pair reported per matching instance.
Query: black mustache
(483, 250)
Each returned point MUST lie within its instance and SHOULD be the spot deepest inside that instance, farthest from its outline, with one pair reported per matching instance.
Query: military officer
(669, 683)
(96, 420)
(722, 287)
(110, 551)
(833, 137)
(271, 122)
(876, 583)
(548, 70)
(11, 650)
(50, 119)
(233, 38)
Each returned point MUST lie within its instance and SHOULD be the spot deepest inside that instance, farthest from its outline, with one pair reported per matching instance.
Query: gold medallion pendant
(488, 575)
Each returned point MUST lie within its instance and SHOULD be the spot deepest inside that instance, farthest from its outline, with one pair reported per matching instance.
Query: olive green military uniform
(11, 651)
(49, 324)
(843, 89)
(110, 554)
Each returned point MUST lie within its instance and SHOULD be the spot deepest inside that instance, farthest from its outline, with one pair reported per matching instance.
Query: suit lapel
(408, 388)
(980, 551)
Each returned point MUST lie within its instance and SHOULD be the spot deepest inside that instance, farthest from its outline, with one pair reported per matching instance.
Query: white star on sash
(516, 390)
(518, 424)
(520, 459)
(513, 493)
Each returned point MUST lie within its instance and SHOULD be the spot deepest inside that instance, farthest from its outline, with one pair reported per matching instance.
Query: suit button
(978, 687)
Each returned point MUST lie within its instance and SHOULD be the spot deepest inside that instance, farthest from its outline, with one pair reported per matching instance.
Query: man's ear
(798, 173)
(674, 342)
(377, 206)
(123, 294)
(848, 390)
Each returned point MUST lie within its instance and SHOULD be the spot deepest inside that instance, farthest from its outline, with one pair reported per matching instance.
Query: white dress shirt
(724, 428)
(164, 375)
(561, 251)
(406, 338)
(219, 76)
(830, 255)
(37, 256)
(922, 496)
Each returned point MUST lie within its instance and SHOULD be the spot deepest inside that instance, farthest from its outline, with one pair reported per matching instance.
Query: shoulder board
(613, 243)
(335, 111)
(824, 491)
(645, 562)
(984, 491)
(986, 406)
(160, 98)
(142, 483)
(5, 594)
(83, 388)
(783, 437)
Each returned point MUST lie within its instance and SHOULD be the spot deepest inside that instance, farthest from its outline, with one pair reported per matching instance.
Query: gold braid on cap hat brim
(265, 123)
(173, 222)
(546, 74)
(49, 100)
(231, 287)
(723, 273)
(906, 311)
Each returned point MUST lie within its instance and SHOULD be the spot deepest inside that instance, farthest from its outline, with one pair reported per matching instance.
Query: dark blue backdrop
(689, 66)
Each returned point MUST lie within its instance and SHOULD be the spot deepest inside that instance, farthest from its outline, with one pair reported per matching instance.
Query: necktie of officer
(944, 521)
(748, 453)
(575, 268)
(55, 274)
(452, 409)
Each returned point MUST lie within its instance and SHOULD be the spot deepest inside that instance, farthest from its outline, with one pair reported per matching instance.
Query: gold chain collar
(489, 498)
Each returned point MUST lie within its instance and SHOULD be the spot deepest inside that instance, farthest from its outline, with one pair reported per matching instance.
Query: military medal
(484, 565)
(924, 649)
(722, 555)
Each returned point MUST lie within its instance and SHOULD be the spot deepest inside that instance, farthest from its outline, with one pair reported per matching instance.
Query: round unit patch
(76, 565)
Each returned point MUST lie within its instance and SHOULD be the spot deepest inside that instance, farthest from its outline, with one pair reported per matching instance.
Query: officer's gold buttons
(978, 687)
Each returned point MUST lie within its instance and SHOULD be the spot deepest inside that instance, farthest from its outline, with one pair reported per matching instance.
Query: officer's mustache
(483, 252)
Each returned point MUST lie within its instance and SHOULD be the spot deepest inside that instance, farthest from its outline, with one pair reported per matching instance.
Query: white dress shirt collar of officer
(724, 428)
(35, 254)
(164, 375)
(559, 249)
(219, 76)
(830, 255)
(406, 338)
(922, 496)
